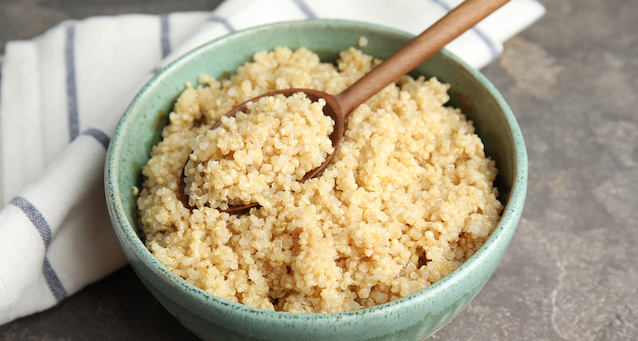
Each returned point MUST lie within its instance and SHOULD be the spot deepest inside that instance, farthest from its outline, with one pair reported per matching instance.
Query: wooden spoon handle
(422, 47)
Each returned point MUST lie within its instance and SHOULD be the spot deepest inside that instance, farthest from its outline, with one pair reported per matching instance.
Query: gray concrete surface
(571, 272)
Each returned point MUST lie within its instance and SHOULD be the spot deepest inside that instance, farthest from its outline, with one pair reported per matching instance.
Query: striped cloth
(63, 92)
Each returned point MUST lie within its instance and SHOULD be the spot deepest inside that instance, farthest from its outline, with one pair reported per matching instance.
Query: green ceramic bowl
(412, 318)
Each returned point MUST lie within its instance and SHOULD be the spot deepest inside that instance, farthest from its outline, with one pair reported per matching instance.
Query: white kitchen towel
(62, 93)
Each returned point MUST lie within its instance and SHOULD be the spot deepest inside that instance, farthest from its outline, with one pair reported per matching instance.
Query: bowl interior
(141, 125)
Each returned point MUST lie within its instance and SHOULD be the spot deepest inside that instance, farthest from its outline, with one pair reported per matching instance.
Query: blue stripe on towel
(484, 38)
(99, 136)
(53, 281)
(224, 22)
(38, 221)
(489, 43)
(71, 85)
(164, 35)
(305, 9)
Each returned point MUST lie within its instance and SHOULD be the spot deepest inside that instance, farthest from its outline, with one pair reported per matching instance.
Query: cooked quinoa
(255, 154)
(408, 197)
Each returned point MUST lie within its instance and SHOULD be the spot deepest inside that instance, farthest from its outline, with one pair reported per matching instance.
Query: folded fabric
(63, 92)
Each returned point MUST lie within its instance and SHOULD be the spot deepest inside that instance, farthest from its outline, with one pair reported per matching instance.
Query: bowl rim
(504, 230)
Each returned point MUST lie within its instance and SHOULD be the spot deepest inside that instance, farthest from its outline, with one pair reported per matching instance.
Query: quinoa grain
(407, 199)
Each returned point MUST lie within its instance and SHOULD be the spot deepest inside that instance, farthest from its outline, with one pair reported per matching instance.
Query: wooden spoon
(415, 52)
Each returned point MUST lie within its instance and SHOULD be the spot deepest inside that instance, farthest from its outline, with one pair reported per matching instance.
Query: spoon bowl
(415, 52)
(332, 109)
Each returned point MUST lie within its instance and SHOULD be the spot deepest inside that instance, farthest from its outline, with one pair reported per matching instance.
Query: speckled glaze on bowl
(412, 318)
